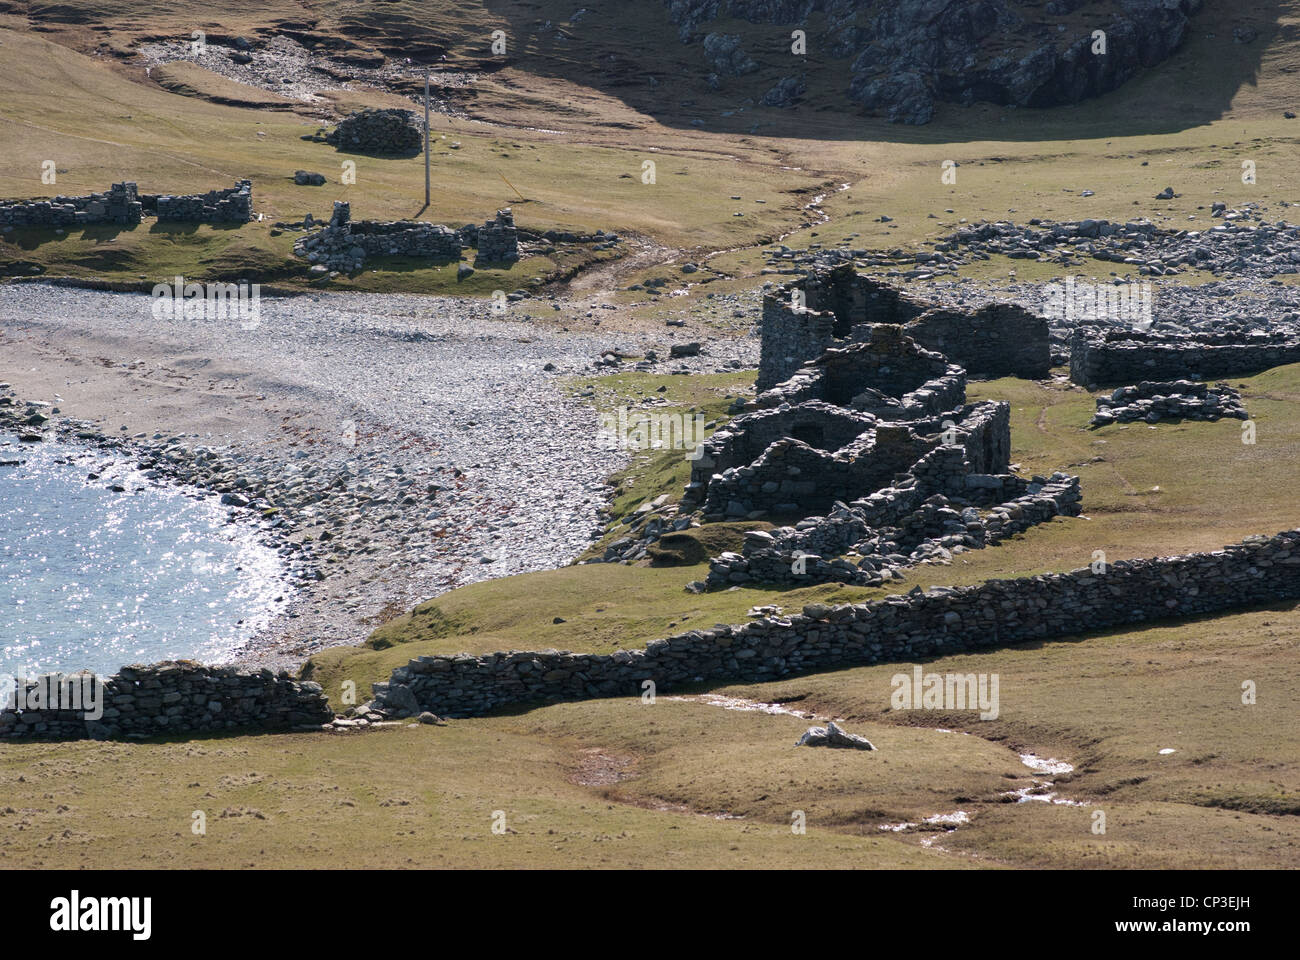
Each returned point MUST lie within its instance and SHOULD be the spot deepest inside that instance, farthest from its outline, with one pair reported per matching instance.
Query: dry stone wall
(119, 204)
(174, 697)
(232, 205)
(899, 628)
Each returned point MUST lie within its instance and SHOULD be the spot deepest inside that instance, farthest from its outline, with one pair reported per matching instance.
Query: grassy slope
(99, 126)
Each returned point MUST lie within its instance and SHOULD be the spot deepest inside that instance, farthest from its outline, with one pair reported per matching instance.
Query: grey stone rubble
(389, 132)
(1176, 400)
(941, 621)
(283, 66)
(1244, 244)
(176, 696)
(306, 178)
(832, 736)
(903, 57)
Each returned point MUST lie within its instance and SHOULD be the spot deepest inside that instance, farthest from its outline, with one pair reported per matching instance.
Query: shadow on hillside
(666, 80)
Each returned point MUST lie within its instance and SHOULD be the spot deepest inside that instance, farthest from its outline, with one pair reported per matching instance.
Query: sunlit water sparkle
(94, 579)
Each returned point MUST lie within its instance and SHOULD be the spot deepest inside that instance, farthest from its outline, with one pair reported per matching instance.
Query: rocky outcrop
(832, 736)
(904, 56)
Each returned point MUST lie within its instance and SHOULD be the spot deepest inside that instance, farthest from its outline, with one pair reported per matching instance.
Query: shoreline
(378, 501)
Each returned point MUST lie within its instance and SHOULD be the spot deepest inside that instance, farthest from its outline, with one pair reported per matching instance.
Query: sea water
(93, 578)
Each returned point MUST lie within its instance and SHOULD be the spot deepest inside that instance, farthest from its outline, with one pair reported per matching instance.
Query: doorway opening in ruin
(812, 434)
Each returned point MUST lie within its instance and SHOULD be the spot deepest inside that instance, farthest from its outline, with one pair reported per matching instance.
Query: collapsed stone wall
(175, 697)
(802, 319)
(924, 517)
(232, 205)
(1100, 355)
(791, 475)
(1176, 400)
(898, 628)
(119, 204)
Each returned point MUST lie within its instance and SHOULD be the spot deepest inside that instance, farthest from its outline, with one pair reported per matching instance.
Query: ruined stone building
(868, 440)
(830, 307)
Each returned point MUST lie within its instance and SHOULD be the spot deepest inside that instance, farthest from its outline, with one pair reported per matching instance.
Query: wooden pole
(426, 138)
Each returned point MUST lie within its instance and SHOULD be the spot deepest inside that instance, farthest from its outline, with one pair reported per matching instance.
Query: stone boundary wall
(899, 628)
(176, 696)
(119, 204)
(232, 205)
(1101, 356)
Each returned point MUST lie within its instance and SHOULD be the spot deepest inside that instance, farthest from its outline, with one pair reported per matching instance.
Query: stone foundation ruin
(345, 244)
(1178, 400)
(805, 317)
(1109, 355)
(124, 204)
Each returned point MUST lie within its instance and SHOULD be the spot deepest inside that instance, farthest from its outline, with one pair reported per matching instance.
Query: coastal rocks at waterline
(832, 735)
(1176, 400)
